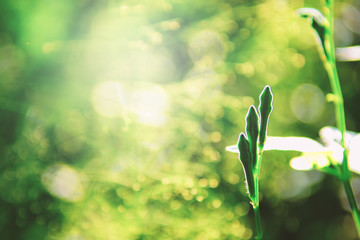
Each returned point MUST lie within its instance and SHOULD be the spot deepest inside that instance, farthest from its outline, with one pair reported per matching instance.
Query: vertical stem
(258, 222)
(353, 205)
(330, 66)
(256, 201)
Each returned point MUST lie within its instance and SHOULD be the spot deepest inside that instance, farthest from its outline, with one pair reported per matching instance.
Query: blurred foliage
(114, 117)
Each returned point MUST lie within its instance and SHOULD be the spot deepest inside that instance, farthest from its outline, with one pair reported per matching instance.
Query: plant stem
(258, 222)
(256, 201)
(330, 66)
(353, 205)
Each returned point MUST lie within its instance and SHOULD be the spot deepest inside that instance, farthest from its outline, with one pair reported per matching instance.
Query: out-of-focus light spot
(203, 182)
(50, 47)
(343, 36)
(271, 78)
(151, 106)
(165, 181)
(156, 38)
(170, 25)
(247, 101)
(206, 43)
(213, 183)
(64, 182)
(247, 233)
(307, 103)
(348, 53)
(229, 215)
(215, 137)
(232, 178)
(237, 229)
(210, 154)
(107, 99)
(297, 184)
(351, 16)
(199, 198)
(189, 182)
(136, 187)
(187, 195)
(242, 209)
(216, 203)
(298, 60)
(246, 69)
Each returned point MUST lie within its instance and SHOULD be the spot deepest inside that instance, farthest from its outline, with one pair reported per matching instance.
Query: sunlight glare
(63, 182)
(107, 99)
(151, 105)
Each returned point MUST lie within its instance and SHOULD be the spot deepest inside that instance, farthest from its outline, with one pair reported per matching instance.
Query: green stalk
(256, 201)
(258, 222)
(330, 66)
(255, 204)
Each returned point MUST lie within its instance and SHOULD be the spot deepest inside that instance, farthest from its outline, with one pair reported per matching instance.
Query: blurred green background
(115, 115)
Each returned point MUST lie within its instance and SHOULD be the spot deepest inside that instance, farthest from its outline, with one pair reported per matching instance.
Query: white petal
(332, 134)
(233, 148)
(354, 154)
(300, 144)
(301, 163)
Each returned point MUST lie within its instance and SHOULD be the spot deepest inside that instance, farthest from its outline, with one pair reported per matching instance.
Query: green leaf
(318, 23)
(265, 109)
(252, 132)
(246, 159)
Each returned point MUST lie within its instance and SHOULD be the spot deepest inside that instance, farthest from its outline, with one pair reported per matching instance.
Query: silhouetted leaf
(245, 157)
(265, 109)
(318, 23)
(252, 132)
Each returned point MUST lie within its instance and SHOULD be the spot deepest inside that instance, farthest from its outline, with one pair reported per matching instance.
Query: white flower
(315, 154)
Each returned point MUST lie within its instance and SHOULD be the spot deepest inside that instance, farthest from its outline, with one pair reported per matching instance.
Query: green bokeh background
(115, 115)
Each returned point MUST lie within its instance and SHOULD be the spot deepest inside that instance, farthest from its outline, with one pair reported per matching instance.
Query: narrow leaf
(252, 132)
(318, 23)
(246, 160)
(265, 108)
